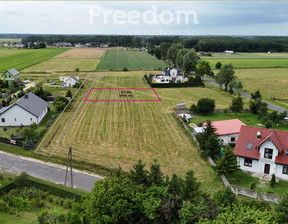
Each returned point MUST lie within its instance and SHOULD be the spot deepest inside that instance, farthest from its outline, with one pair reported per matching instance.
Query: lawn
(116, 134)
(24, 58)
(250, 62)
(131, 59)
(69, 65)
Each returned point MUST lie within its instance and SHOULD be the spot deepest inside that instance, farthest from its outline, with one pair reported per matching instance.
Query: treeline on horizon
(200, 43)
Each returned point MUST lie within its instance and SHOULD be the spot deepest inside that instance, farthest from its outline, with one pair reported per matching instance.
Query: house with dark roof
(227, 130)
(69, 81)
(264, 151)
(170, 75)
(27, 110)
(11, 75)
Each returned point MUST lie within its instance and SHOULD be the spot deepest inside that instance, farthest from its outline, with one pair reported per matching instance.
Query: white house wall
(262, 161)
(22, 117)
(254, 168)
(278, 172)
(69, 83)
(227, 138)
(42, 115)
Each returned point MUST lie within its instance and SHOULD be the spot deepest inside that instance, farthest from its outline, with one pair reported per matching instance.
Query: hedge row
(195, 83)
(58, 190)
(7, 188)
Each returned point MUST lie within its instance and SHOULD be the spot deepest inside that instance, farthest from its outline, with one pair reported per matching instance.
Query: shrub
(21, 180)
(205, 106)
(273, 181)
(77, 69)
(125, 69)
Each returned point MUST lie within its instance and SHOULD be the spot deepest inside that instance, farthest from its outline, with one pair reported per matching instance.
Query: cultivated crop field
(131, 59)
(274, 78)
(119, 133)
(24, 58)
(68, 65)
(250, 60)
(82, 53)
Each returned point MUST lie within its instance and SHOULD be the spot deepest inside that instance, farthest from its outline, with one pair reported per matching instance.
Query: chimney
(258, 134)
(26, 96)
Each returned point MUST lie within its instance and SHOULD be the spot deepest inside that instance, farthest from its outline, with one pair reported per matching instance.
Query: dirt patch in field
(82, 53)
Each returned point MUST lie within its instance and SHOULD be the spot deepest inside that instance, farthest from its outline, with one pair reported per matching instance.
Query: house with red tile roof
(261, 150)
(227, 130)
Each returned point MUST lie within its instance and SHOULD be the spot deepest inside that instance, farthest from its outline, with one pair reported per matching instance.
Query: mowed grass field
(23, 58)
(82, 53)
(120, 133)
(131, 59)
(64, 65)
(274, 78)
(250, 60)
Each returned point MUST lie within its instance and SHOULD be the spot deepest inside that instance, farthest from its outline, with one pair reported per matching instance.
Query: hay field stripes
(82, 53)
(36, 151)
(122, 94)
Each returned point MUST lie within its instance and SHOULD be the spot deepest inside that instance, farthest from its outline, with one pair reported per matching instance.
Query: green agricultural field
(69, 65)
(274, 78)
(133, 60)
(116, 134)
(24, 58)
(250, 60)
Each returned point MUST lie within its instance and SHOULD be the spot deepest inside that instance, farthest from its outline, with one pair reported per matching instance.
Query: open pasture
(119, 133)
(275, 79)
(82, 53)
(249, 60)
(68, 65)
(131, 59)
(24, 58)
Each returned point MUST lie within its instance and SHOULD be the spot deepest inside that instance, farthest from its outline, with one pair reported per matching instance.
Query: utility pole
(69, 163)
(269, 91)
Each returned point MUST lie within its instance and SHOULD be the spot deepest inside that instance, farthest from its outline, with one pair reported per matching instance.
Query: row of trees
(213, 44)
(147, 197)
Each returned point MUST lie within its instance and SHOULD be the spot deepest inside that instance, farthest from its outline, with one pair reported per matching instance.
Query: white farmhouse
(69, 81)
(227, 130)
(229, 52)
(264, 151)
(27, 110)
(170, 75)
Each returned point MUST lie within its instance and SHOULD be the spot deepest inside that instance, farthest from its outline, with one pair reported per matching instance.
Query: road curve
(246, 95)
(47, 171)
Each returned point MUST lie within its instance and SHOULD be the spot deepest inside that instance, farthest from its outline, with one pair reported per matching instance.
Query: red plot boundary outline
(159, 99)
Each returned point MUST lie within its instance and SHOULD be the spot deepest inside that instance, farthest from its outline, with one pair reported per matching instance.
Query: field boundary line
(36, 150)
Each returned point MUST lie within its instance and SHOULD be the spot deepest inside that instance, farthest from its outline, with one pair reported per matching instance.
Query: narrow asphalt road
(270, 105)
(47, 171)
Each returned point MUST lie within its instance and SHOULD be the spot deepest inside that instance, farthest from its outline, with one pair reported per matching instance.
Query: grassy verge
(241, 179)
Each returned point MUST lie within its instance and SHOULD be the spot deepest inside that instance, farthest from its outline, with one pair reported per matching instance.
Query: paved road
(270, 105)
(46, 171)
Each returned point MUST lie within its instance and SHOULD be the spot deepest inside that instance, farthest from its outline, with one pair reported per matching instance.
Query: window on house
(232, 139)
(30, 119)
(285, 170)
(268, 153)
(286, 152)
(2, 119)
(15, 119)
(249, 145)
(248, 162)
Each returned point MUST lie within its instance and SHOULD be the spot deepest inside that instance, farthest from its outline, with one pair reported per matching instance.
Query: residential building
(11, 75)
(264, 151)
(170, 75)
(27, 110)
(227, 130)
(69, 81)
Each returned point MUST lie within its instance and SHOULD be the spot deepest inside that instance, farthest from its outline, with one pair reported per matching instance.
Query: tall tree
(228, 163)
(190, 61)
(237, 104)
(138, 174)
(203, 68)
(190, 190)
(164, 47)
(225, 76)
(173, 51)
(179, 57)
(155, 176)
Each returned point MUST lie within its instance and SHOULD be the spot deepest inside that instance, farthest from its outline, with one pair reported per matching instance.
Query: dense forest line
(208, 43)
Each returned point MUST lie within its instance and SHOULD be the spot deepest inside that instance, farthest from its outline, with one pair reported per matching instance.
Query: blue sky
(99, 17)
